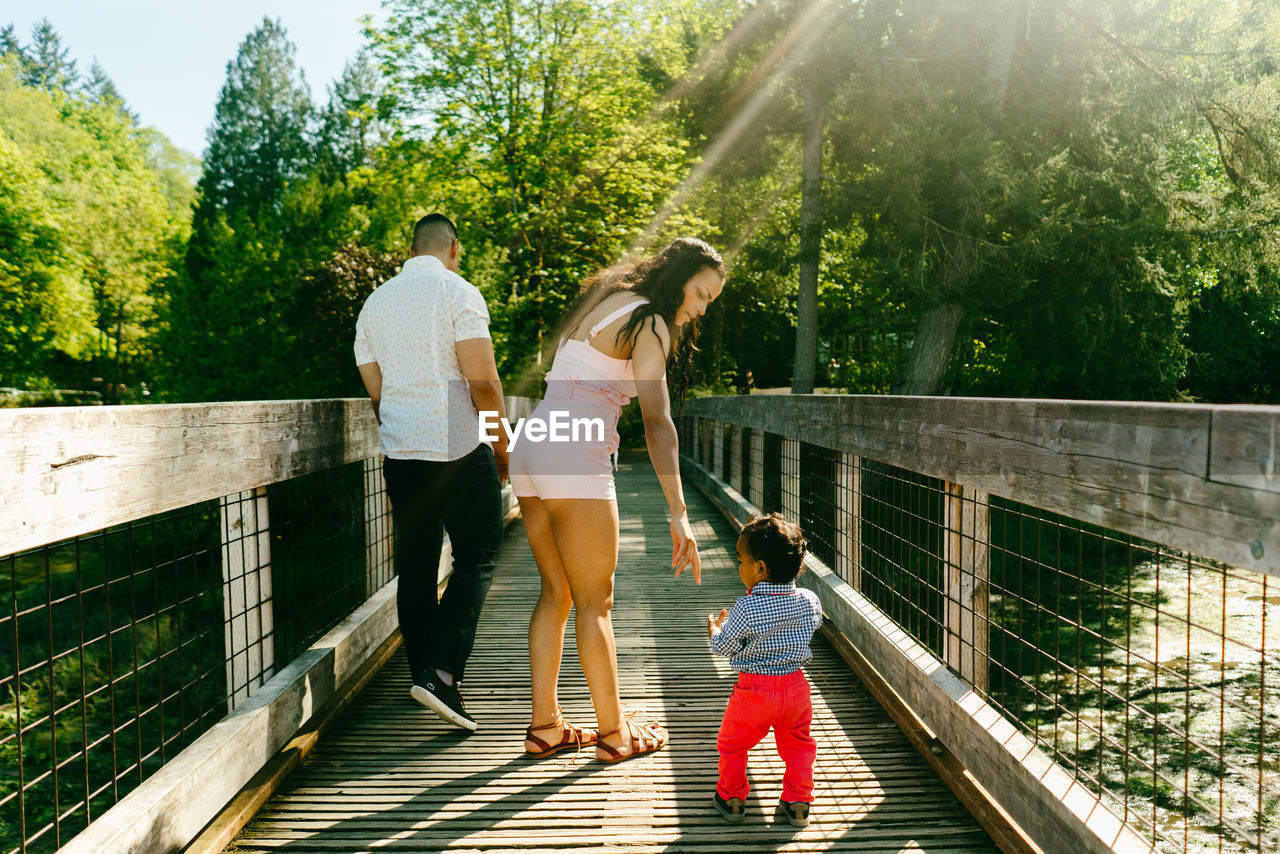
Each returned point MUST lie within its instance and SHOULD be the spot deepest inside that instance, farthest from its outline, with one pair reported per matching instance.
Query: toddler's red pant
(760, 702)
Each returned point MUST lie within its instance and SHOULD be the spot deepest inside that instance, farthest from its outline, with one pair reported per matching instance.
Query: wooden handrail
(73, 470)
(1195, 477)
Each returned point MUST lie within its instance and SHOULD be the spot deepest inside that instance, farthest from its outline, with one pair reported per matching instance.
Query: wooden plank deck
(391, 776)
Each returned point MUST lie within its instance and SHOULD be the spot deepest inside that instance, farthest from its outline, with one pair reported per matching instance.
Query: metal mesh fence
(1143, 669)
(1147, 673)
(318, 553)
(901, 560)
(112, 650)
(121, 647)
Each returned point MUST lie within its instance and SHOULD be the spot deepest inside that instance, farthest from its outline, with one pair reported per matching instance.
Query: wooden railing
(1039, 581)
(187, 585)
(1073, 598)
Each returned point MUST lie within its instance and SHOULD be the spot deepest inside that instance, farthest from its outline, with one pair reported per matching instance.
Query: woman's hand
(684, 550)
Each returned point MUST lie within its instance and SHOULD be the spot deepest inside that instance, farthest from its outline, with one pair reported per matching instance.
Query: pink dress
(569, 455)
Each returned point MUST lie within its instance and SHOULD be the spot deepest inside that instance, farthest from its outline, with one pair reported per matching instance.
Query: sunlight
(801, 36)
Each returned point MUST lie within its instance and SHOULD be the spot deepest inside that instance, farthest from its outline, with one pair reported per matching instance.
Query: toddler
(766, 637)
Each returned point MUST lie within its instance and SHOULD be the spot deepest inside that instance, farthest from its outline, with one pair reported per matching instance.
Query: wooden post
(849, 519)
(717, 450)
(735, 478)
(706, 426)
(967, 564)
(378, 529)
(755, 477)
(248, 621)
(791, 480)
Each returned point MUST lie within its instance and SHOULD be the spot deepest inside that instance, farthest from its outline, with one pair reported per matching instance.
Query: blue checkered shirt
(769, 629)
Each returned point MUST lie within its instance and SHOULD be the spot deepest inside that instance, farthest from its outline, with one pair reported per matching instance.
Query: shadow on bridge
(391, 776)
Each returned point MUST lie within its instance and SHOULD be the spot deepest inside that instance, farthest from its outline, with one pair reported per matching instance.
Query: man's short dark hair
(779, 543)
(433, 233)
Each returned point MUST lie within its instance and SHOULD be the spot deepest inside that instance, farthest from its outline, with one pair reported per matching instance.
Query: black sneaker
(733, 810)
(796, 813)
(445, 701)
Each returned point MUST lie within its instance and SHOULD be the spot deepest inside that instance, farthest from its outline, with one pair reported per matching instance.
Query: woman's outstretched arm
(649, 362)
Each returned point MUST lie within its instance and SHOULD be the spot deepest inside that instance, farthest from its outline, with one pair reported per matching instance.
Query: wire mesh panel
(1146, 672)
(726, 449)
(706, 433)
(119, 648)
(818, 500)
(247, 602)
(771, 488)
(901, 535)
(111, 661)
(318, 555)
(378, 528)
(1149, 672)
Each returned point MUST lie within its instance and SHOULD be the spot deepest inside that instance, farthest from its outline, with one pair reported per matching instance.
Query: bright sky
(169, 58)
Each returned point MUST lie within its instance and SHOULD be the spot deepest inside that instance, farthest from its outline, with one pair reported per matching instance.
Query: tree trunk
(936, 335)
(930, 351)
(810, 245)
(716, 346)
(1000, 60)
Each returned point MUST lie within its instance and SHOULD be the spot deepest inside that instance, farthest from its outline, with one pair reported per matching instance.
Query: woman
(615, 345)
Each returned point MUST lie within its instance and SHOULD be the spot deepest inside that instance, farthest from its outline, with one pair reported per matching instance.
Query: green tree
(258, 140)
(356, 123)
(99, 88)
(326, 304)
(29, 274)
(12, 49)
(538, 122)
(50, 64)
(225, 331)
(108, 227)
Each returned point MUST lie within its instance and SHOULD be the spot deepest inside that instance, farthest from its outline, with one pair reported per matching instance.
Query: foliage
(1092, 185)
(542, 123)
(225, 332)
(327, 303)
(95, 218)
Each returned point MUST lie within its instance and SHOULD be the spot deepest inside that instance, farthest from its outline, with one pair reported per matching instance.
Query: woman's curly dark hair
(661, 279)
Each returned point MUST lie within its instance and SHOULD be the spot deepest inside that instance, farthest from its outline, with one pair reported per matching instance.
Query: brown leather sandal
(570, 736)
(645, 738)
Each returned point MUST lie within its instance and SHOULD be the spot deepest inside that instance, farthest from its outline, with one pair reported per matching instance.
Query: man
(423, 349)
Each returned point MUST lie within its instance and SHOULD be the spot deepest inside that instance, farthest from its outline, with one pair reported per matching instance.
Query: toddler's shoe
(733, 810)
(796, 813)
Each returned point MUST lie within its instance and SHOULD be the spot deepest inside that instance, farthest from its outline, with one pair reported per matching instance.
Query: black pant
(463, 497)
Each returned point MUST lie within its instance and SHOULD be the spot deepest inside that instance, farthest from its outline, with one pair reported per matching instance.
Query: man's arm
(372, 376)
(478, 365)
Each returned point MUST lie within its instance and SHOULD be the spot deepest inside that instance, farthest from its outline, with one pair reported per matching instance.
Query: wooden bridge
(1050, 626)
(391, 775)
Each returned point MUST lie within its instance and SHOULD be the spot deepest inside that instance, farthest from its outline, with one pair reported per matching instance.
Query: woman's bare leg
(550, 614)
(586, 537)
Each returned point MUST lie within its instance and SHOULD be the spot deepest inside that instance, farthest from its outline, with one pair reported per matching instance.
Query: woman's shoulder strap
(614, 315)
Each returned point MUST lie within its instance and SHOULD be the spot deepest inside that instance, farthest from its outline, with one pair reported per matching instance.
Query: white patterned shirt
(409, 326)
(769, 629)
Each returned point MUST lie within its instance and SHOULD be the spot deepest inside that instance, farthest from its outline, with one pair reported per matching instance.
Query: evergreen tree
(101, 89)
(226, 332)
(51, 66)
(257, 142)
(356, 122)
(11, 49)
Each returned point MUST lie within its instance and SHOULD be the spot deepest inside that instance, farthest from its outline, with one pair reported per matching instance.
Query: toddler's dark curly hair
(779, 543)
